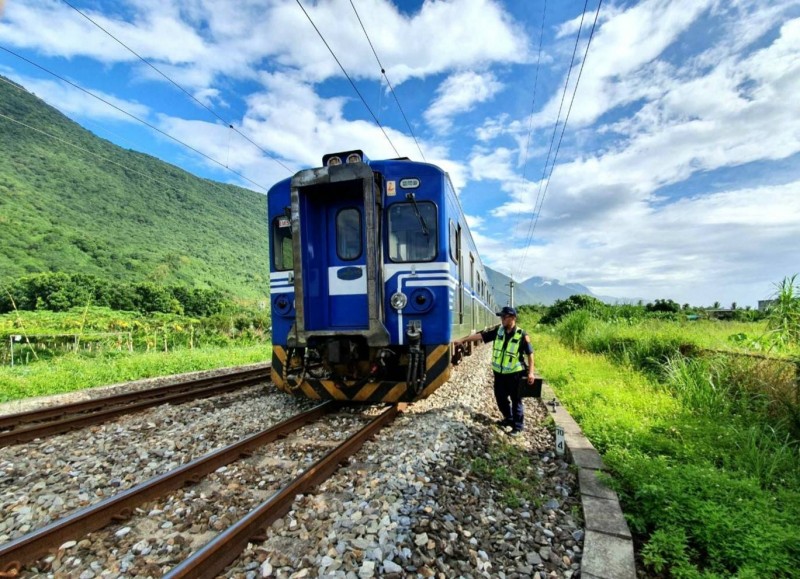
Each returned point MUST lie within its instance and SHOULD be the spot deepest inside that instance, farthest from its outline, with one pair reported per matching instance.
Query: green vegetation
(60, 292)
(508, 466)
(115, 265)
(84, 347)
(783, 316)
(129, 218)
(702, 446)
(72, 372)
(660, 310)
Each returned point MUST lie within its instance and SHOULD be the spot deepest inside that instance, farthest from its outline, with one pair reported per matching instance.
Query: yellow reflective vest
(506, 360)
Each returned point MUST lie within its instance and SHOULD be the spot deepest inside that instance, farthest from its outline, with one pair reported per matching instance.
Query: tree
(573, 303)
(663, 306)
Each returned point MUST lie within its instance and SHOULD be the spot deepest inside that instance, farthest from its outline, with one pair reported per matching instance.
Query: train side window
(409, 239)
(348, 234)
(282, 253)
(453, 242)
(472, 271)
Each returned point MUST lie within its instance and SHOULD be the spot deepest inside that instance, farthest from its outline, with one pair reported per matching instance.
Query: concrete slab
(592, 487)
(607, 547)
(605, 516)
(584, 456)
(607, 557)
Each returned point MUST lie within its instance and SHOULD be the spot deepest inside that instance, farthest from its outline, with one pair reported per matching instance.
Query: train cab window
(412, 231)
(453, 242)
(348, 234)
(282, 243)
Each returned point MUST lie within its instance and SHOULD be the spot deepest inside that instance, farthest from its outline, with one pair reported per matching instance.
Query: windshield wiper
(425, 231)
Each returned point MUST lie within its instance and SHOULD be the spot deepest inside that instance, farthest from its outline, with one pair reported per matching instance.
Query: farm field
(60, 352)
(702, 450)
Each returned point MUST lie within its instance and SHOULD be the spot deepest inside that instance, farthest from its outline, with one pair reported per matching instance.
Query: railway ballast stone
(409, 504)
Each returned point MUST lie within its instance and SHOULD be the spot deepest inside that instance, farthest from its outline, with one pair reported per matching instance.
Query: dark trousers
(506, 393)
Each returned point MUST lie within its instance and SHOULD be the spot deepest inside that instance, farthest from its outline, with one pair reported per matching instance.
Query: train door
(335, 259)
(337, 276)
(347, 266)
(460, 288)
(472, 292)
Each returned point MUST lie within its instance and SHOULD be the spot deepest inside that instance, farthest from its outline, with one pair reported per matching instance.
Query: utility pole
(511, 293)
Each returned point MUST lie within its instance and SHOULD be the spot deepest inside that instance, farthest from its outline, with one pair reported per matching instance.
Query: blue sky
(679, 171)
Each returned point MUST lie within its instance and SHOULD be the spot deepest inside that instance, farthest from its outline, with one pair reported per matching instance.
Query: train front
(332, 336)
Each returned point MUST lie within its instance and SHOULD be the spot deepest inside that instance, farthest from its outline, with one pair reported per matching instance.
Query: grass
(510, 469)
(707, 473)
(75, 372)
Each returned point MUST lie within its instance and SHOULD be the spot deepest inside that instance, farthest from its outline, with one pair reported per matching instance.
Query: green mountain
(98, 209)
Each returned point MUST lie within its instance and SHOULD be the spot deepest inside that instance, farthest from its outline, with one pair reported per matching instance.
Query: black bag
(530, 390)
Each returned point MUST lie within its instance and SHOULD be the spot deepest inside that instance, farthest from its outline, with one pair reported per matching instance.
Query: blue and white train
(373, 275)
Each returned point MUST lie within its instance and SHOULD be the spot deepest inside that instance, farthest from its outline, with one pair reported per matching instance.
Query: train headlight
(353, 158)
(334, 160)
(399, 300)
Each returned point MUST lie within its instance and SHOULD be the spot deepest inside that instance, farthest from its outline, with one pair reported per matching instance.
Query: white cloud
(494, 164)
(698, 123)
(213, 38)
(460, 93)
(717, 242)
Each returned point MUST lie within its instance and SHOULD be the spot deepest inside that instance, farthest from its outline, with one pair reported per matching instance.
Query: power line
(383, 72)
(131, 115)
(534, 218)
(533, 108)
(187, 93)
(333, 54)
(533, 100)
(569, 110)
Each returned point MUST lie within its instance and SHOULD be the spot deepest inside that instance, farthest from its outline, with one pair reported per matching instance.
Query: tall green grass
(74, 372)
(707, 469)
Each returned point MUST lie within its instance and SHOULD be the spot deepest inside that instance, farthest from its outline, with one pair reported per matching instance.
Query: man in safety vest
(511, 346)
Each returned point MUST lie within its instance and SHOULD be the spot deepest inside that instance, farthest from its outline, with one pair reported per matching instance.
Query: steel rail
(57, 427)
(13, 420)
(15, 554)
(226, 547)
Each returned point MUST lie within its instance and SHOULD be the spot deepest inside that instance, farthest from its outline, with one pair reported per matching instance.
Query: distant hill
(130, 217)
(539, 290)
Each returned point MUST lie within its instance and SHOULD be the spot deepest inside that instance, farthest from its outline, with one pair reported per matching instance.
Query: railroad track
(27, 426)
(215, 556)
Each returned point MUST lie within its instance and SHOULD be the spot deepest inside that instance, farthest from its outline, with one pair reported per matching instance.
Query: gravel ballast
(409, 504)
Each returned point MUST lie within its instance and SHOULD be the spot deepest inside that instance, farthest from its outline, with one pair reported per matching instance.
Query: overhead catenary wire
(353, 84)
(569, 109)
(179, 87)
(539, 197)
(391, 88)
(533, 108)
(134, 117)
(533, 100)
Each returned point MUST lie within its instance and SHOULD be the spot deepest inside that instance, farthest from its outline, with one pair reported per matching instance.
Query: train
(373, 276)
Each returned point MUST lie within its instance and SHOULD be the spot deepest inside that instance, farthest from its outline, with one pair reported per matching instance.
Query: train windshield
(412, 232)
(282, 243)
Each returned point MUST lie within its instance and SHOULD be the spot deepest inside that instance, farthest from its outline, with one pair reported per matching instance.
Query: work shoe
(515, 432)
(504, 423)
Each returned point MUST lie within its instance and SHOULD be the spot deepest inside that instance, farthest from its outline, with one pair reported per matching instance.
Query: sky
(675, 175)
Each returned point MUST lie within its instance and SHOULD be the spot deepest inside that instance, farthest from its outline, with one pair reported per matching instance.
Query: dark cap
(507, 311)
